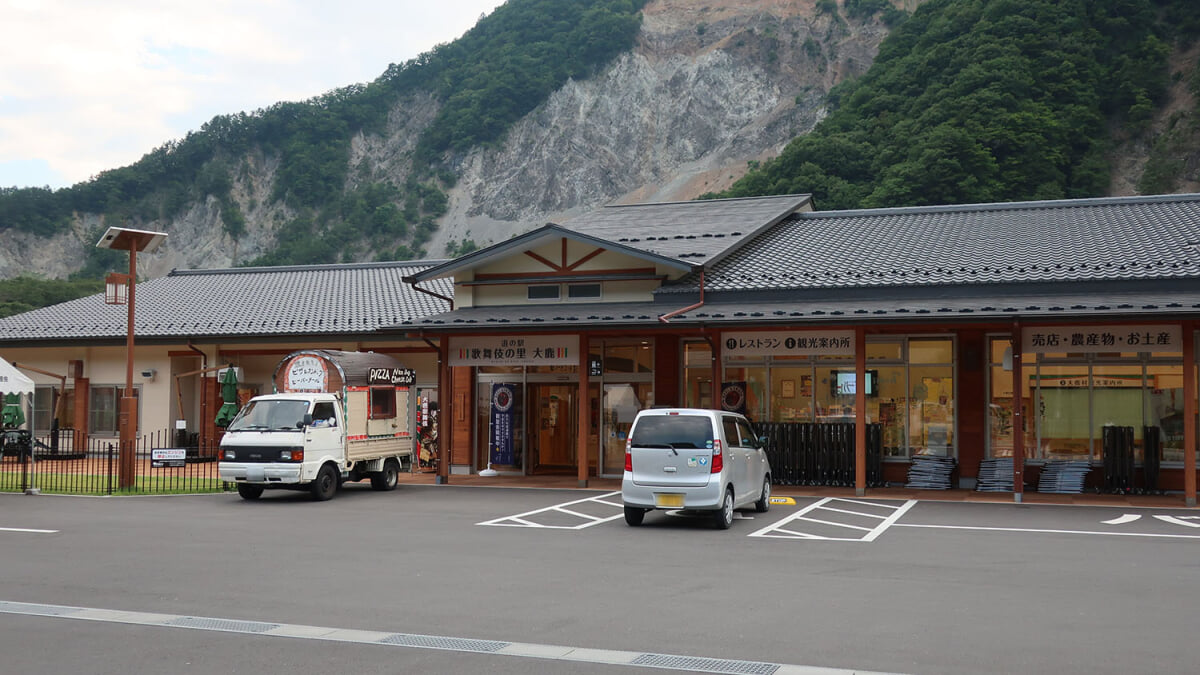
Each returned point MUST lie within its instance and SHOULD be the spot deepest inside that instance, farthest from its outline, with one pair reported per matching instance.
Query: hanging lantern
(116, 288)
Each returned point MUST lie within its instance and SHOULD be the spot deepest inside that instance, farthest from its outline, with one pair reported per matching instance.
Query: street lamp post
(125, 239)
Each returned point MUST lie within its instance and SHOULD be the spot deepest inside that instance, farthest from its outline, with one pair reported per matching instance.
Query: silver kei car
(694, 460)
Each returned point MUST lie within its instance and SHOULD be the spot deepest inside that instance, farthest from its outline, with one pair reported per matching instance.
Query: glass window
(886, 408)
(1165, 408)
(583, 291)
(752, 395)
(1116, 401)
(43, 408)
(885, 351)
(323, 414)
(628, 358)
(791, 394)
(383, 402)
(697, 375)
(931, 410)
(547, 292)
(832, 403)
(104, 403)
(930, 350)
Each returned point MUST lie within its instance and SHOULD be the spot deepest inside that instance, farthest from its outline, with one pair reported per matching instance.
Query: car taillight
(628, 455)
(718, 461)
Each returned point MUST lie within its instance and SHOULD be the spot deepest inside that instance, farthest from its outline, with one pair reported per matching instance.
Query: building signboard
(515, 350)
(1097, 339)
(788, 343)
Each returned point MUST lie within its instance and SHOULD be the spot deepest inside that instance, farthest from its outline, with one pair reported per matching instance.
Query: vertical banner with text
(501, 442)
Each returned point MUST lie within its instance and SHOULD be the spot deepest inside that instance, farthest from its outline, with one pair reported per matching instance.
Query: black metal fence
(54, 463)
(1120, 448)
(806, 453)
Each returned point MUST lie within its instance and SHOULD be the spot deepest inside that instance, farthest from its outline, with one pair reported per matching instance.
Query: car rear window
(679, 431)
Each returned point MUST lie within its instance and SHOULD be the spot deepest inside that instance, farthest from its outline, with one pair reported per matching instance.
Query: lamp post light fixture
(119, 289)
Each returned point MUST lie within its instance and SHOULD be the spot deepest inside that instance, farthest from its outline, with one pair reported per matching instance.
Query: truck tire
(249, 492)
(387, 478)
(325, 485)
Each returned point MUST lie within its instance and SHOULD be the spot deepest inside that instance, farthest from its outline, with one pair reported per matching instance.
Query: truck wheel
(386, 479)
(249, 492)
(325, 485)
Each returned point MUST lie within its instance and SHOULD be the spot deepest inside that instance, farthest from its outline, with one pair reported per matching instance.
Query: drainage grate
(37, 610)
(451, 643)
(221, 624)
(705, 665)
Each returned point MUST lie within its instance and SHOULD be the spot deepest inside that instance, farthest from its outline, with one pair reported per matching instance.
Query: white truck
(335, 416)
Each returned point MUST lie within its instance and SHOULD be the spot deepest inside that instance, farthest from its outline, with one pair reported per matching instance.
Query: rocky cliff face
(710, 86)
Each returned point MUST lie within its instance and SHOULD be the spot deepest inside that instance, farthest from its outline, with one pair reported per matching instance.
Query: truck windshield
(270, 415)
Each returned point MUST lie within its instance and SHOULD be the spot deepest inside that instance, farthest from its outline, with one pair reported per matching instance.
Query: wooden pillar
(583, 411)
(1017, 417)
(82, 400)
(1189, 414)
(445, 422)
(860, 411)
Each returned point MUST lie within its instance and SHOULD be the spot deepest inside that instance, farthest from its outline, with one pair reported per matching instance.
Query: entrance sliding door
(553, 427)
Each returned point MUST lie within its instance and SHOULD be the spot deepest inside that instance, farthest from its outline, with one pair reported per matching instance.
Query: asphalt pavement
(472, 579)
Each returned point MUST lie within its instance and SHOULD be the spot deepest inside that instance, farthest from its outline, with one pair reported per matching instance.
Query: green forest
(489, 78)
(967, 101)
(975, 101)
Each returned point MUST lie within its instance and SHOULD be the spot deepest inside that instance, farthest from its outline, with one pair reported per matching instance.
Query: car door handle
(669, 469)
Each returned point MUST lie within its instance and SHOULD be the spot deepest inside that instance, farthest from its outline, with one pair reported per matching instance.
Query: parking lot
(467, 579)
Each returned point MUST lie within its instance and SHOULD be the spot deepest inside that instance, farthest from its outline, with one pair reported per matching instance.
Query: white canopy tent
(13, 381)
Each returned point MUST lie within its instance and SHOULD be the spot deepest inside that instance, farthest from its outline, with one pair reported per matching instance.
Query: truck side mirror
(307, 421)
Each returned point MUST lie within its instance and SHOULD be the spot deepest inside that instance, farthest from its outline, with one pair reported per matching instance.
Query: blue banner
(501, 441)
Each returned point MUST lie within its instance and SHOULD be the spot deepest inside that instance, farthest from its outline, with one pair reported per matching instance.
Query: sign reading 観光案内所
(515, 350)
(788, 343)
(1092, 339)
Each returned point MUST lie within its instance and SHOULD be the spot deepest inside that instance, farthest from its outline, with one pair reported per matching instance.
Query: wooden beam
(1189, 413)
(860, 411)
(1018, 419)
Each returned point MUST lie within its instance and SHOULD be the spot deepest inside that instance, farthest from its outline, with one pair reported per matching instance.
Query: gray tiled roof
(696, 232)
(1050, 241)
(249, 301)
(1130, 300)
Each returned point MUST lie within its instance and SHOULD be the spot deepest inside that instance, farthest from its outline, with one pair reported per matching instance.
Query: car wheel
(764, 502)
(386, 479)
(724, 516)
(634, 515)
(249, 492)
(326, 484)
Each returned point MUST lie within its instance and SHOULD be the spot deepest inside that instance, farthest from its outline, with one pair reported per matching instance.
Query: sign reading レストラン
(788, 343)
(1092, 339)
(518, 350)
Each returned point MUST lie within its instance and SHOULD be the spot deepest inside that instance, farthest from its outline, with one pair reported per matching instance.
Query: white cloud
(89, 86)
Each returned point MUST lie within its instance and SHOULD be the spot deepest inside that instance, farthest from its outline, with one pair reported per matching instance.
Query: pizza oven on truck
(335, 416)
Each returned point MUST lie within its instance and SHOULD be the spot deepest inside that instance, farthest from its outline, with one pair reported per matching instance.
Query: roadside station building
(1024, 330)
(190, 322)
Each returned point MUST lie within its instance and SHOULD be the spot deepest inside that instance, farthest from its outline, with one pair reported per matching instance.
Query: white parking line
(1032, 529)
(485, 648)
(25, 529)
(523, 519)
(788, 527)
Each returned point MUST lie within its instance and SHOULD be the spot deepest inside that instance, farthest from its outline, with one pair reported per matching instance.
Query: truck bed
(362, 449)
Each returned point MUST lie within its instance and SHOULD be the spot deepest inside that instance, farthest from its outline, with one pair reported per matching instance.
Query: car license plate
(668, 500)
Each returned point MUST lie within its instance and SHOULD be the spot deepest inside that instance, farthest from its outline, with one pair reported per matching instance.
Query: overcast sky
(89, 85)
